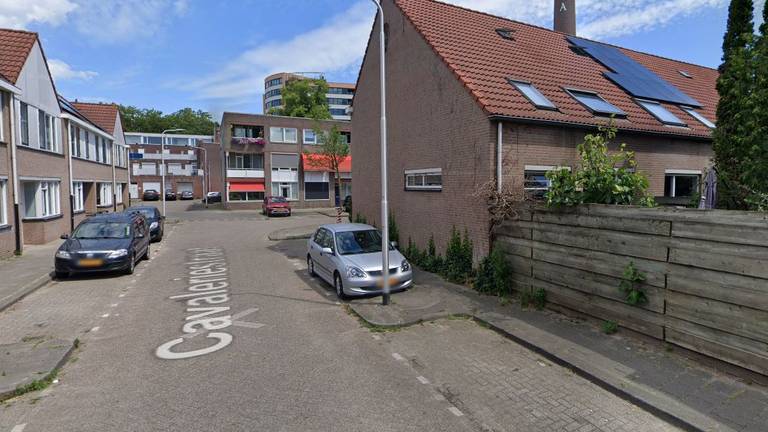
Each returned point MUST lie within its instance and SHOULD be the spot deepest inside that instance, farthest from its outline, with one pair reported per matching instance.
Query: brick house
(7, 224)
(264, 155)
(482, 98)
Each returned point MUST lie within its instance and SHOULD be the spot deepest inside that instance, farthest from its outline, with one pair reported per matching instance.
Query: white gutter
(71, 182)
(499, 179)
(14, 168)
(5, 85)
(89, 126)
(114, 183)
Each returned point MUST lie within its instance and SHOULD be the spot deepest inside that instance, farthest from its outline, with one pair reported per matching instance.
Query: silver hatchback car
(348, 256)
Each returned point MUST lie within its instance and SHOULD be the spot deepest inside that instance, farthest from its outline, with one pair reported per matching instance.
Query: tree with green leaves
(735, 119)
(756, 164)
(331, 153)
(195, 122)
(304, 97)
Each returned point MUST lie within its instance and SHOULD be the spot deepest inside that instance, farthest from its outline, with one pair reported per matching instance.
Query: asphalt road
(250, 343)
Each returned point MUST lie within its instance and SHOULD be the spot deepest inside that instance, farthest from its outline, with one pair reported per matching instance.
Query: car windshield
(102, 230)
(148, 213)
(358, 242)
(278, 200)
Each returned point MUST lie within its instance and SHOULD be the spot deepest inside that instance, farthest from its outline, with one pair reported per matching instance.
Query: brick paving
(502, 386)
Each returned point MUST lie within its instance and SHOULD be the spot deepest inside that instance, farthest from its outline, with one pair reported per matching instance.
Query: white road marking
(439, 397)
(19, 427)
(422, 379)
(398, 357)
(113, 305)
(95, 329)
(456, 411)
(121, 295)
(105, 316)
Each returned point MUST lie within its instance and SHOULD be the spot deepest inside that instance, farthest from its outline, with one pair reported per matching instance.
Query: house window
(310, 137)
(41, 199)
(681, 183)
(83, 144)
(3, 202)
(424, 179)
(24, 122)
(119, 193)
(247, 131)
(245, 161)
(283, 135)
(286, 190)
(2, 125)
(246, 196)
(78, 197)
(46, 128)
(338, 112)
(536, 183)
(104, 197)
(316, 186)
(346, 137)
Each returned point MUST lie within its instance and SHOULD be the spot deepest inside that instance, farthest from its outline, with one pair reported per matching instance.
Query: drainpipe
(114, 183)
(71, 182)
(14, 167)
(499, 180)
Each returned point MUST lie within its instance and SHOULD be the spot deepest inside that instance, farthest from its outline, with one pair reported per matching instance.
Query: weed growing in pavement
(371, 327)
(37, 385)
(610, 327)
(536, 298)
(494, 274)
(631, 285)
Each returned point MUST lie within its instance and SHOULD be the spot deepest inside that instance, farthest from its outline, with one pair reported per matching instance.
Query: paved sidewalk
(23, 274)
(668, 381)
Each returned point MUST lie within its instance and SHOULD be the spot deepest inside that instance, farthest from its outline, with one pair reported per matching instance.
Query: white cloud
(335, 46)
(62, 71)
(18, 14)
(114, 21)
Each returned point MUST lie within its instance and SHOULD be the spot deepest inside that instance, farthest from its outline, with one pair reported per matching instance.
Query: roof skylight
(533, 95)
(697, 115)
(662, 114)
(596, 104)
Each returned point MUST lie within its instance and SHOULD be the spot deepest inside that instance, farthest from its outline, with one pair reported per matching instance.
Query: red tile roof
(467, 42)
(14, 50)
(103, 115)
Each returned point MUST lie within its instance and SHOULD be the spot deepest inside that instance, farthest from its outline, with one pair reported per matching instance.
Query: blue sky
(213, 55)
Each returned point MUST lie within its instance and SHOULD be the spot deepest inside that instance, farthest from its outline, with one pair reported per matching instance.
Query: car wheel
(339, 287)
(61, 275)
(131, 265)
(311, 266)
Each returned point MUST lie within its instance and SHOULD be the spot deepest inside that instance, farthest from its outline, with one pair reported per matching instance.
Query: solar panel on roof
(630, 75)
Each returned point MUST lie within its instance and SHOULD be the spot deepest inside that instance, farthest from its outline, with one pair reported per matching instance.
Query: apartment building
(339, 95)
(265, 155)
(183, 162)
(495, 100)
(37, 168)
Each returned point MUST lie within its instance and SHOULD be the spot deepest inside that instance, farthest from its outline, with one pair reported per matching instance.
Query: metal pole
(162, 169)
(384, 204)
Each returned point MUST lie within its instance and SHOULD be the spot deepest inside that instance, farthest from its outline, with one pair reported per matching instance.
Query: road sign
(134, 156)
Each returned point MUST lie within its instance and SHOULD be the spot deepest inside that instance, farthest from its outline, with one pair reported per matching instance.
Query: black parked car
(170, 195)
(108, 242)
(187, 195)
(213, 197)
(155, 220)
(150, 195)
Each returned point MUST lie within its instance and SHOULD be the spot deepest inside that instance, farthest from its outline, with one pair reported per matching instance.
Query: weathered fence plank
(731, 258)
(738, 234)
(725, 287)
(739, 320)
(640, 226)
(515, 246)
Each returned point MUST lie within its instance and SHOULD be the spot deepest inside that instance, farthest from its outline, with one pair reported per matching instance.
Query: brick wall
(7, 234)
(433, 122)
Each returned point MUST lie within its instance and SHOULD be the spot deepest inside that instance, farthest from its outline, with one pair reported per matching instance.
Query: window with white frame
(430, 179)
(47, 131)
(310, 137)
(681, 183)
(2, 118)
(316, 185)
(78, 198)
(41, 199)
(92, 146)
(283, 135)
(286, 190)
(104, 197)
(119, 193)
(3, 202)
(536, 184)
(285, 175)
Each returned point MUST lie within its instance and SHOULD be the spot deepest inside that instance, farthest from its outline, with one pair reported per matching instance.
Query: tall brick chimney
(565, 16)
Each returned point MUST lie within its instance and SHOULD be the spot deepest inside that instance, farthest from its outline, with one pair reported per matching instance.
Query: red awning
(317, 162)
(246, 187)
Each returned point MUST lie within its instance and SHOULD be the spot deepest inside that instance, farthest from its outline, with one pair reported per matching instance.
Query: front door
(285, 191)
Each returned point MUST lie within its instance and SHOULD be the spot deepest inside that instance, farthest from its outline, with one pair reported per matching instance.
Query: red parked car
(276, 205)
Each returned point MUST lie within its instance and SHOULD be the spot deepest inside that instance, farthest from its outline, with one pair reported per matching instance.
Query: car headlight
(117, 253)
(153, 225)
(63, 254)
(354, 272)
(405, 266)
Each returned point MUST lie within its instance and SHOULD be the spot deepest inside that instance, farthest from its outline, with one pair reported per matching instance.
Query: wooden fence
(707, 272)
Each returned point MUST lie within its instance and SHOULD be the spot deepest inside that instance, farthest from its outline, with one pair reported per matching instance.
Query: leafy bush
(494, 274)
(394, 232)
(458, 258)
(360, 219)
(432, 262)
(539, 298)
(601, 177)
(631, 285)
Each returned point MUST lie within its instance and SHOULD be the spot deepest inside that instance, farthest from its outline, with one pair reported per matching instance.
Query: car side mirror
(327, 250)
(64, 236)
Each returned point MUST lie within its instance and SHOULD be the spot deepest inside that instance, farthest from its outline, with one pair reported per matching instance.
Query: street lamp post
(162, 163)
(384, 205)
